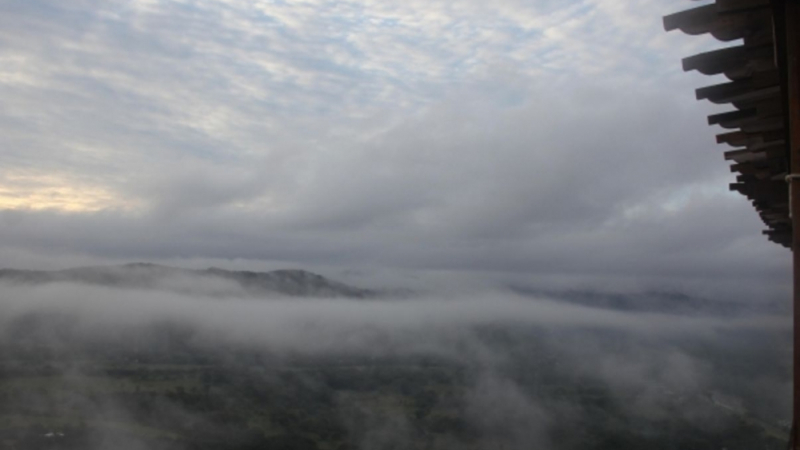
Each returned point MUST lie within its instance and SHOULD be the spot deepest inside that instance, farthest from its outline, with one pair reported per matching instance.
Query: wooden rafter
(756, 124)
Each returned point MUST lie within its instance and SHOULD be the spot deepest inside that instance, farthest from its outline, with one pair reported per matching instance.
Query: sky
(381, 142)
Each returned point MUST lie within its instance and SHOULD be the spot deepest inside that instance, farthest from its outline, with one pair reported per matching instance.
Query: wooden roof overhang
(757, 124)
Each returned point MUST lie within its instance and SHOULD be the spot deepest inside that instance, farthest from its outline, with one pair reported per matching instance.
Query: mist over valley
(393, 225)
(147, 356)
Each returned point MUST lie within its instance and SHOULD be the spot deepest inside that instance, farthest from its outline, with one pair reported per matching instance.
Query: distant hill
(296, 283)
(655, 302)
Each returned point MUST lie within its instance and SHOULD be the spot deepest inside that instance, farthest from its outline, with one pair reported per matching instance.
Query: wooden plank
(716, 61)
(745, 168)
(781, 237)
(727, 6)
(760, 37)
(741, 89)
(761, 189)
(747, 155)
(691, 20)
(742, 139)
(756, 92)
(731, 93)
(761, 125)
(743, 24)
(770, 107)
(774, 165)
(791, 45)
(742, 156)
(734, 138)
(765, 169)
(749, 69)
(733, 23)
(730, 119)
(756, 96)
(721, 60)
(775, 148)
(760, 111)
(752, 123)
(730, 116)
(775, 217)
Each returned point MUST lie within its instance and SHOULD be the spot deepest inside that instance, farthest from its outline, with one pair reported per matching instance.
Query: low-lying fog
(656, 365)
(312, 325)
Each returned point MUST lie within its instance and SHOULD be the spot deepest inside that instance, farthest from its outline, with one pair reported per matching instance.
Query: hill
(295, 283)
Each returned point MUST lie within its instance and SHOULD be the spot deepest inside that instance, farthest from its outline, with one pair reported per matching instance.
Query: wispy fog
(515, 351)
(335, 324)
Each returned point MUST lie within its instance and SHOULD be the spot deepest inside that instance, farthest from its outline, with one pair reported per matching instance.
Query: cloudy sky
(548, 141)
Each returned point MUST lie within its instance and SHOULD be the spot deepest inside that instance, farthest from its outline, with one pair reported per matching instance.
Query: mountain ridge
(285, 282)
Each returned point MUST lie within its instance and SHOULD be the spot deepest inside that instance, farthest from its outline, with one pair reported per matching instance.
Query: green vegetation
(70, 392)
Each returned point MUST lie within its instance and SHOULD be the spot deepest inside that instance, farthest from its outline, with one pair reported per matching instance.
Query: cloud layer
(557, 139)
(648, 360)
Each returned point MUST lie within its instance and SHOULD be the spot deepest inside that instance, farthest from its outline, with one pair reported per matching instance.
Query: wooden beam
(729, 59)
(739, 5)
(732, 118)
(761, 189)
(760, 155)
(741, 139)
(791, 46)
(741, 89)
(692, 21)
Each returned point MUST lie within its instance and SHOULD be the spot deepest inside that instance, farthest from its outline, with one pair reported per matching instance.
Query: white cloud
(510, 135)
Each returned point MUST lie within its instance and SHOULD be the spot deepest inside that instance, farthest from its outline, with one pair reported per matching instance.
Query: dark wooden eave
(756, 124)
